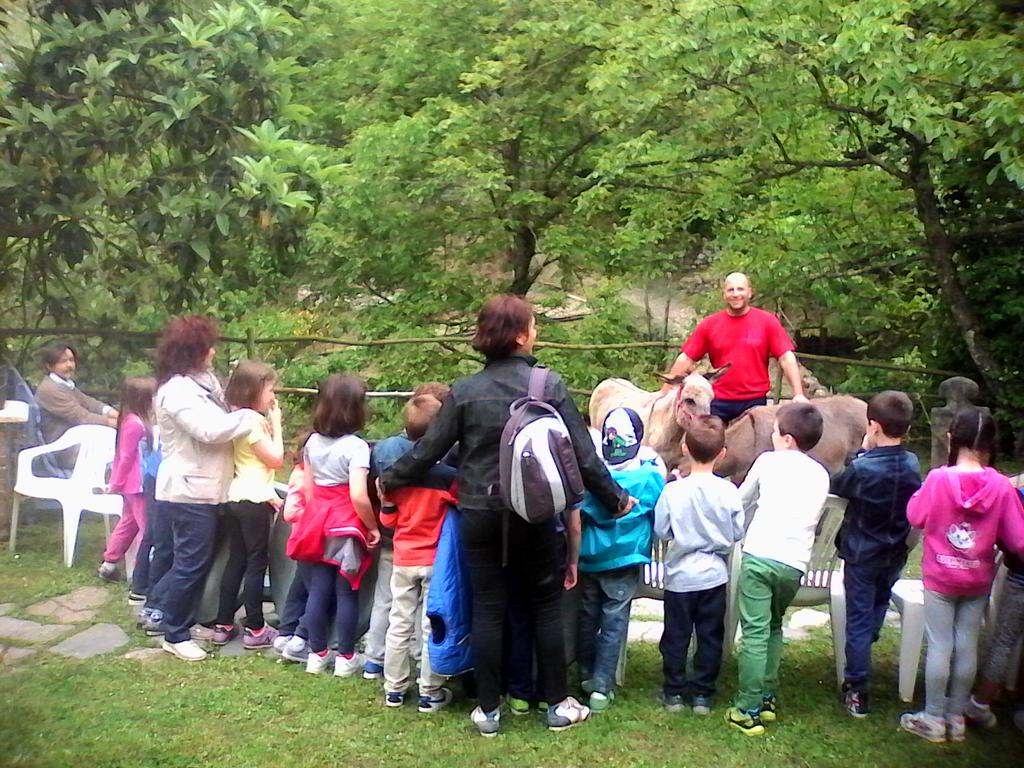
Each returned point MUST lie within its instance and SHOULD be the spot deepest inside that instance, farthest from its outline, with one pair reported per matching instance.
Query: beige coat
(196, 434)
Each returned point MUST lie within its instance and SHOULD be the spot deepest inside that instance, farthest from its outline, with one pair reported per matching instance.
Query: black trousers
(534, 563)
(246, 526)
(685, 612)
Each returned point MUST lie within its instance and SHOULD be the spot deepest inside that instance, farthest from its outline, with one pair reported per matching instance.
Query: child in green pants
(785, 489)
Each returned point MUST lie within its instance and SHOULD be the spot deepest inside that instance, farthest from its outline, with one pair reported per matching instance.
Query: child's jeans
(766, 589)
(326, 585)
(409, 588)
(132, 521)
(605, 600)
(376, 635)
(868, 589)
(295, 603)
(703, 612)
(141, 575)
(951, 626)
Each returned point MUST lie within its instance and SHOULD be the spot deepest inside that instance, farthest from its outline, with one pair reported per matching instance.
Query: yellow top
(254, 480)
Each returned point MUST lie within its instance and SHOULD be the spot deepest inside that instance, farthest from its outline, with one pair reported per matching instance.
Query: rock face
(96, 640)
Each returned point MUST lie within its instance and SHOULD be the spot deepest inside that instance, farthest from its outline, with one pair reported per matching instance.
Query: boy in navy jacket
(878, 482)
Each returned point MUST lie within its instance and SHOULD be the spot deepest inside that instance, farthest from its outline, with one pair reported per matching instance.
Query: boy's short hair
(802, 422)
(418, 414)
(704, 438)
(435, 388)
(893, 411)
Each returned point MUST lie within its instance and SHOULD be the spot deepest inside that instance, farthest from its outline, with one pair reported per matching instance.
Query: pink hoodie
(964, 515)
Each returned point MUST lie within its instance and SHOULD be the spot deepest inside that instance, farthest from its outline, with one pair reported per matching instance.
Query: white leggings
(951, 624)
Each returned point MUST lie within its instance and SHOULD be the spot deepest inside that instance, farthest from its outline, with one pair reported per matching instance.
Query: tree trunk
(941, 249)
(524, 248)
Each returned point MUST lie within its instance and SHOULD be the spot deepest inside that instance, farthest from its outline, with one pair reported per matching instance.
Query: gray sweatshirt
(701, 516)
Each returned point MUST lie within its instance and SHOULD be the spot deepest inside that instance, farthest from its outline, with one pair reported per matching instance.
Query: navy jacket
(878, 484)
(474, 414)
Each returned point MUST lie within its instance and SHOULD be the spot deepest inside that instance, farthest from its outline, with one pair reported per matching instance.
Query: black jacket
(474, 414)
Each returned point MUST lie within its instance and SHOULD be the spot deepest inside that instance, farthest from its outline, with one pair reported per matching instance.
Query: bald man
(747, 338)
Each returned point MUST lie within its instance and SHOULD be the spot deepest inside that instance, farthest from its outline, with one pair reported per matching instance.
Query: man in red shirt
(747, 338)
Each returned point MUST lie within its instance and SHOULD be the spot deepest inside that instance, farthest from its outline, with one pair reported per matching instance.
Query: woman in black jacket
(474, 414)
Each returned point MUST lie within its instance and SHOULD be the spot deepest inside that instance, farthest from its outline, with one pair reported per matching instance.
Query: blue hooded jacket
(609, 543)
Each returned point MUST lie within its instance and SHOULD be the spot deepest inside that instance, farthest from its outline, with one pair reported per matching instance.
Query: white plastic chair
(77, 493)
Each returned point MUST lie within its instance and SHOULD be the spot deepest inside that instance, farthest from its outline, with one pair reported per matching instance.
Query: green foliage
(139, 169)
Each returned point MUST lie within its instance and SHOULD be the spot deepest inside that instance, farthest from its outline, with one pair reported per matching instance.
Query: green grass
(253, 711)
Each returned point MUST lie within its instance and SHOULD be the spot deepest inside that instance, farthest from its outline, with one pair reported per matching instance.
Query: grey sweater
(702, 518)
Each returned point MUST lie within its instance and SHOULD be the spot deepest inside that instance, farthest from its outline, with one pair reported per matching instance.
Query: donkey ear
(718, 373)
(673, 380)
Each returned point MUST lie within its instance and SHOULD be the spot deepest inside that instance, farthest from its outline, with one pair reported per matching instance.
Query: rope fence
(251, 341)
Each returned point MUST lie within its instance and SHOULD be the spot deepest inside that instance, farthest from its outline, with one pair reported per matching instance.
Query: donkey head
(694, 396)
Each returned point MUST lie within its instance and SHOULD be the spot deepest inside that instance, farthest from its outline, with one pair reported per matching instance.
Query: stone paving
(21, 639)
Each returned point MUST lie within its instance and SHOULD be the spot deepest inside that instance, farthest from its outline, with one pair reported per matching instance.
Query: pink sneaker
(259, 638)
(224, 633)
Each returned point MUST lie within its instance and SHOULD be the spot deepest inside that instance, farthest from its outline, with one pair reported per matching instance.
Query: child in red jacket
(417, 516)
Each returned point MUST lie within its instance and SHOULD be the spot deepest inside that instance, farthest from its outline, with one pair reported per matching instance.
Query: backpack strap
(538, 380)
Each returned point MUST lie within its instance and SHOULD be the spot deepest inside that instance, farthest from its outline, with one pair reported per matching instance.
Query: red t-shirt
(748, 342)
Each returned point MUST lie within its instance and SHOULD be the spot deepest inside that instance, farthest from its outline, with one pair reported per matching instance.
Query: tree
(139, 167)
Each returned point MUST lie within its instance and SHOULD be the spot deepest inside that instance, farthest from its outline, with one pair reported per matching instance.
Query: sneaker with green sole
(745, 722)
(769, 709)
(518, 707)
(599, 702)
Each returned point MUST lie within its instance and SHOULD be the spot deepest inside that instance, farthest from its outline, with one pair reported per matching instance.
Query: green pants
(766, 589)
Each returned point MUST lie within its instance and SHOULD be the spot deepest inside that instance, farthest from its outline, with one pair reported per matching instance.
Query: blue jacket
(878, 484)
(609, 543)
(450, 603)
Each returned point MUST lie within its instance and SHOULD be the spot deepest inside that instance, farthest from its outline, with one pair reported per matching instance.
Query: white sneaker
(296, 649)
(315, 663)
(956, 728)
(186, 650)
(347, 667)
(281, 641)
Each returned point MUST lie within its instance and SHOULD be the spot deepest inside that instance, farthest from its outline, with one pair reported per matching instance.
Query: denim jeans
(605, 599)
(868, 589)
(373, 642)
(727, 410)
(295, 603)
(141, 579)
(701, 612)
(161, 541)
(194, 533)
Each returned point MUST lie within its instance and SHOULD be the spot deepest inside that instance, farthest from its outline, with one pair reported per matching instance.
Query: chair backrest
(30, 435)
(817, 579)
(95, 453)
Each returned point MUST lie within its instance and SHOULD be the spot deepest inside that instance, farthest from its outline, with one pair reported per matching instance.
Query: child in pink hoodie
(965, 508)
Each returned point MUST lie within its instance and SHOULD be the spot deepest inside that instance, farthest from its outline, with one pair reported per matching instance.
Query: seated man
(62, 405)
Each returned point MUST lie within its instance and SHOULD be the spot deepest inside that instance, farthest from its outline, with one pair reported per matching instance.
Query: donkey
(665, 416)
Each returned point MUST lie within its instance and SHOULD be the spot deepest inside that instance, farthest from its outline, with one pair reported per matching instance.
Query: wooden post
(250, 343)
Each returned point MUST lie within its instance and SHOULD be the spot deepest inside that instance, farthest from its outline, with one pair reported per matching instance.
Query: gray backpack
(539, 474)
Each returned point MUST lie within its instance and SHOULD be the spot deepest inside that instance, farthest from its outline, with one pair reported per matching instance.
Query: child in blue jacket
(612, 551)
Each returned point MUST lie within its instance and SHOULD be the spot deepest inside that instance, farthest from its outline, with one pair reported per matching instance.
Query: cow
(748, 436)
(664, 415)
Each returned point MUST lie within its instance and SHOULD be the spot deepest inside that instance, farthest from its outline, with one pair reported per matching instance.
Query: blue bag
(449, 604)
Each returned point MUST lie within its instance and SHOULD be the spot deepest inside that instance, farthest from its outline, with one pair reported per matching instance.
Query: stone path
(24, 638)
